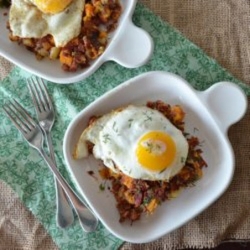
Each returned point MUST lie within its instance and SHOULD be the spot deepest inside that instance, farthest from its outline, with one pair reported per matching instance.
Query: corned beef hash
(146, 154)
(73, 31)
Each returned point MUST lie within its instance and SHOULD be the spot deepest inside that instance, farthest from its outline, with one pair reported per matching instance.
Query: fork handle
(87, 218)
(65, 216)
(64, 213)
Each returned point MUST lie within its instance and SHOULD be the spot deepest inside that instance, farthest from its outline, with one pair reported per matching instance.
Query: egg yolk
(51, 6)
(155, 150)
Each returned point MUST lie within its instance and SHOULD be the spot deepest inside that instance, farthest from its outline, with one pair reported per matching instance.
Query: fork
(33, 134)
(46, 117)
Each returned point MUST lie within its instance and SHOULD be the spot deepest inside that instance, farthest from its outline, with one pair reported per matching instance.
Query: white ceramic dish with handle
(129, 46)
(209, 114)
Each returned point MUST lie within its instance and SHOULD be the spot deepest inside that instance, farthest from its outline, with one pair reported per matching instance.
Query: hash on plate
(146, 154)
(73, 31)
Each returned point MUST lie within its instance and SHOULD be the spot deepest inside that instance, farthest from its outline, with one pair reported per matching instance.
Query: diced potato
(28, 42)
(175, 193)
(127, 181)
(129, 197)
(46, 45)
(43, 52)
(152, 206)
(13, 38)
(89, 10)
(178, 113)
(54, 52)
(65, 58)
(92, 53)
(104, 173)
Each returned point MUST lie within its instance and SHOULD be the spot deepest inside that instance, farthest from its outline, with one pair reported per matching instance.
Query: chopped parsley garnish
(148, 117)
(130, 122)
(182, 159)
(196, 129)
(102, 187)
(162, 170)
(149, 146)
(152, 147)
(114, 127)
(106, 138)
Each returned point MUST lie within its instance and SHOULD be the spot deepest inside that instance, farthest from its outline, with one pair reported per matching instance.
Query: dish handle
(227, 103)
(133, 47)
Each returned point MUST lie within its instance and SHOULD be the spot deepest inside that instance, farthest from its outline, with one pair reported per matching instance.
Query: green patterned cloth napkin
(24, 170)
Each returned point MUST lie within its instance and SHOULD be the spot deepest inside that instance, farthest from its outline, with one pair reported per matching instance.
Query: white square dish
(129, 46)
(208, 116)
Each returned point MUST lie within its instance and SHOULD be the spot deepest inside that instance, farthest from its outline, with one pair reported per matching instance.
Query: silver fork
(32, 132)
(46, 117)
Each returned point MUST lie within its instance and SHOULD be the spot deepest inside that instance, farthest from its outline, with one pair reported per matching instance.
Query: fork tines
(19, 116)
(39, 93)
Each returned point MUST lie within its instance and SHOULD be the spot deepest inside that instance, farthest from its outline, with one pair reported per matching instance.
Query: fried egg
(51, 6)
(138, 141)
(37, 18)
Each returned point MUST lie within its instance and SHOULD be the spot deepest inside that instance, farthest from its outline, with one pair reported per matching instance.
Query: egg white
(27, 21)
(115, 137)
